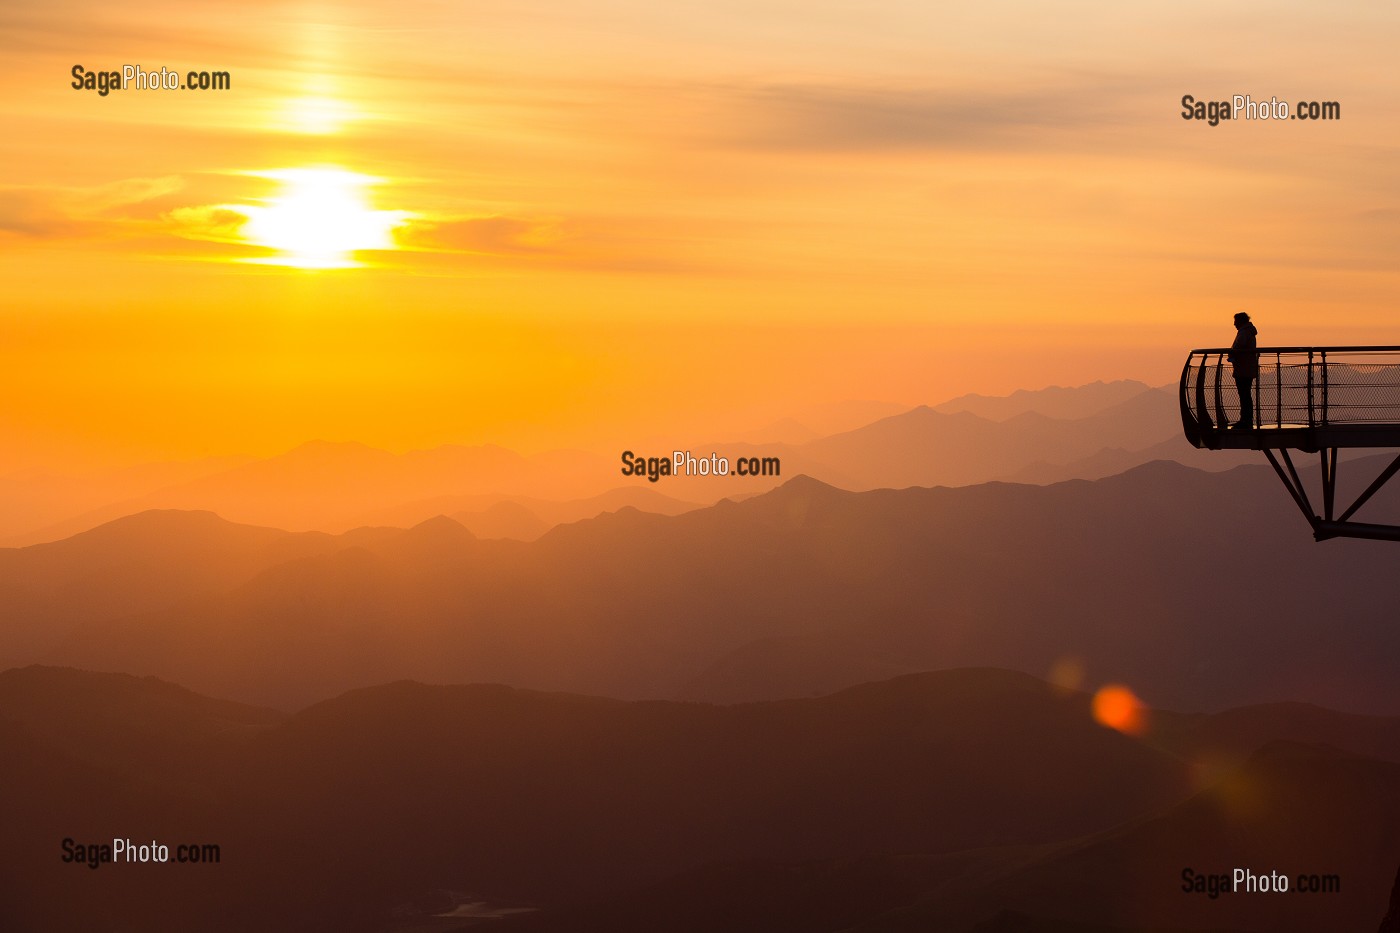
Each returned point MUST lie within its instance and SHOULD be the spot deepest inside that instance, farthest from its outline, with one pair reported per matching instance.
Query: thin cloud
(51, 212)
(853, 119)
(594, 245)
(31, 213)
(496, 235)
(214, 222)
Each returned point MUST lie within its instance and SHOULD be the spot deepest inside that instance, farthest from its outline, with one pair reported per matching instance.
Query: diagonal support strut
(1299, 494)
(1372, 489)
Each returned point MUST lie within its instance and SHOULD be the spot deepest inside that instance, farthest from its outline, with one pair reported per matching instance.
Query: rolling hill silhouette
(93, 757)
(926, 447)
(134, 726)
(1042, 436)
(800, 591)
(1052, 402)
(35, 499)
(134, 564)
(911, 803)
(1298, 809)
(533, 516)
(324, 485)
(1111, 461)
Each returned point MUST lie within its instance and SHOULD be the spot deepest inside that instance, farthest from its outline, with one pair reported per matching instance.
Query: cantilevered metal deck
(1314, 399)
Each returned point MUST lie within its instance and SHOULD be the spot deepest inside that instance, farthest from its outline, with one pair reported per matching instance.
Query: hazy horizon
(548, 227)
(835, 417)
(1078, 432)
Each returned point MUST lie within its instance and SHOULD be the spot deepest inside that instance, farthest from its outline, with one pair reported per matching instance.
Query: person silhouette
(1244, 357)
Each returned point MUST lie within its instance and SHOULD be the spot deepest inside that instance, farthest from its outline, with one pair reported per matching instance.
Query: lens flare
(1117, 707)
(1067, 674)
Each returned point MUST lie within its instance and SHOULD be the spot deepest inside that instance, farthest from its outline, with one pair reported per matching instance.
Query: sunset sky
(569, 224)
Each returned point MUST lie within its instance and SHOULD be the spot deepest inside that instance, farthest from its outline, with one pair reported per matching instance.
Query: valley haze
(728, 625)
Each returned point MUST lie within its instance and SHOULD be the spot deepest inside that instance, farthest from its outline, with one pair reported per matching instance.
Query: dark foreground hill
(1268, 818)
(934, 801)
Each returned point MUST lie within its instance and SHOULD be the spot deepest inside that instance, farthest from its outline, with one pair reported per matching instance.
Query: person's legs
(1245, 388)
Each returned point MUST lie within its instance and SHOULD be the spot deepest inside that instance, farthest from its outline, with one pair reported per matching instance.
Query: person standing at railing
(1244, 357)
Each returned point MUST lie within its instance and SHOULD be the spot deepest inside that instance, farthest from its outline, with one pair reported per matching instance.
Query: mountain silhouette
(1052, 402)
(129, 724)
(527, 517)
(927, 447)
(505, 519)
(1299, 809)
(829, 587)
(1043, 436)
(324, 485)
(131, 565)
(1111, 461)
(1126, 879)
(931, 801)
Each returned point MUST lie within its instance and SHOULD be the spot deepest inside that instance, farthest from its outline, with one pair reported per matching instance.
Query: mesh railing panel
(1298, 387)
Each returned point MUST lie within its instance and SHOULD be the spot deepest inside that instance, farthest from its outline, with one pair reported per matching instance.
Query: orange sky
(614, 219)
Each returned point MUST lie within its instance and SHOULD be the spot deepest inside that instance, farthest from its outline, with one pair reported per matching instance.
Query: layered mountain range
(1199, 590)
(431, 691)
(1049, 435)
(940, 801)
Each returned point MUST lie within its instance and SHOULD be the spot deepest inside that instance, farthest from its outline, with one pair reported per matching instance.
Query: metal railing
(1297, 387)
(1312, 399)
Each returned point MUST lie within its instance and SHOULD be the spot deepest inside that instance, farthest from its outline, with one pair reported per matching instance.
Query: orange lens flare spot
(1067, 674)
(1117, 707)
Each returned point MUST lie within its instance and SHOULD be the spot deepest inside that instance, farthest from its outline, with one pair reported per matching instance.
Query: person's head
(1241, 319)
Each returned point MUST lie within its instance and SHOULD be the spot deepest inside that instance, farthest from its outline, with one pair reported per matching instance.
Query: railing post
(1311, 420)
(1324, 386)
(1278, 390)
(1220, 417)
(1202, 415)
(1259, 395)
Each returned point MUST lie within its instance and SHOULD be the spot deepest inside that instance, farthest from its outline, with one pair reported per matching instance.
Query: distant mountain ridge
(799, 591)
(1053, 401)
(1040, 436)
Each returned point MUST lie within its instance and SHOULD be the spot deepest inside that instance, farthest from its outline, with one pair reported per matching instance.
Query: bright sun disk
(320, 219)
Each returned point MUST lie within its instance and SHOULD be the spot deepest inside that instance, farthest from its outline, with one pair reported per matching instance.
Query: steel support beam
(1372, 489)
(1300, 495)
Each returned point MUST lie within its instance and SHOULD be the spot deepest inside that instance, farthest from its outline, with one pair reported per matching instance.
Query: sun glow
(316, 115)
(319, 220)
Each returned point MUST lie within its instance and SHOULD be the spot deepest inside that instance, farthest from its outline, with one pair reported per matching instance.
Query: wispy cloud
(213, 222)
(497, 235)
(855, 118)
(44, 212)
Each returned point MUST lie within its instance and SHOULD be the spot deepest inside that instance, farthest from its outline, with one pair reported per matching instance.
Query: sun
(319, 220)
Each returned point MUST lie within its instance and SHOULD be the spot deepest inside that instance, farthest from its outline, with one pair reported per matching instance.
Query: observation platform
(1311, 399)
